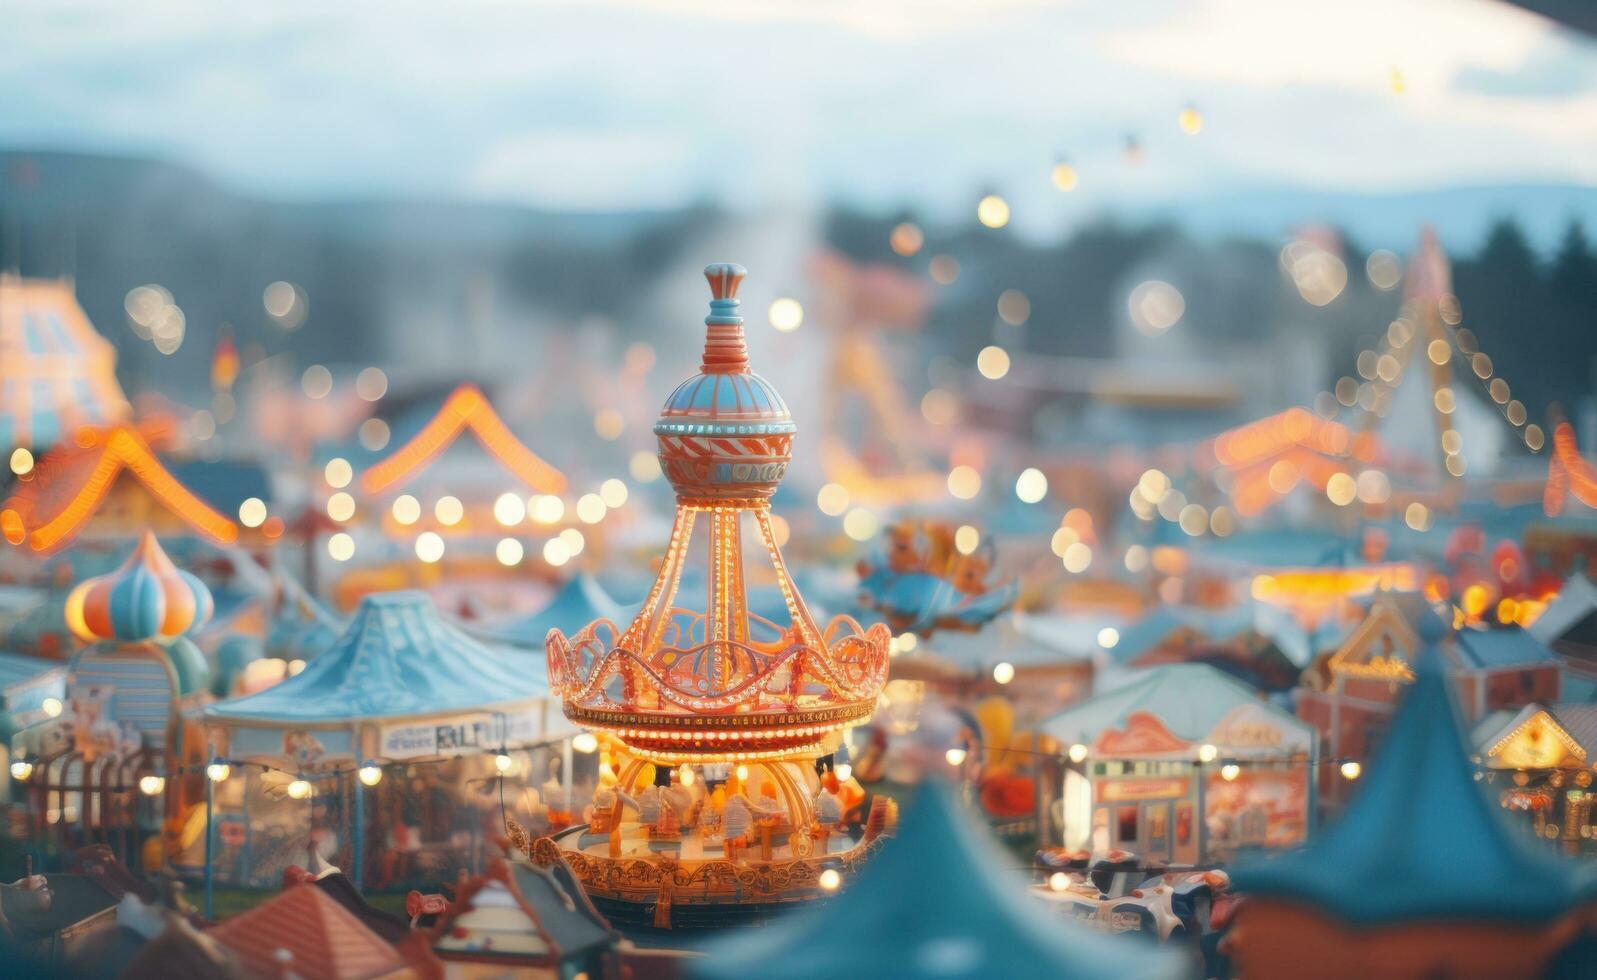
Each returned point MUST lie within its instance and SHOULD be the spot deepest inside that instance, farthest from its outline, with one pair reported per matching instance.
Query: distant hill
(373, 269)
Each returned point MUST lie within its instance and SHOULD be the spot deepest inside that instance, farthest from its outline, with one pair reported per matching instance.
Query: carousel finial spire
(724, 350)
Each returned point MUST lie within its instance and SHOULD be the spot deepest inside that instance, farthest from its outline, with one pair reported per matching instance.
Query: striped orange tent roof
(466, 408)
(57, 372)
(69, 484)
(304, 932)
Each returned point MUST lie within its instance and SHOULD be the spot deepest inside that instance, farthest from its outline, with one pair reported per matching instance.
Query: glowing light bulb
(21, 461)
(406, 509)
(152, 785)
(966, 539)
(21, 770)
(1058, 881)
(509, 551)
(429, 547)
(218, 771)
(547, 508)
(370, 773)
(786, 314)
(1207, 753)
(1078, 752)
(955, 757)
(338, 472)
(52, 707)
(1003, 673)
(830, 879)
(591, 508)
(993, 211)
(613, 492)
(1351, 769)
(844, 772)
(299, 789)
(340, 506)
(341, 547)
(585, 742)
(743, 774)
(1031, 486)
(252, 512)
(510, 509)
(503, 763)
(992, 362)
(1108, 637)
(686, 776)
(1230, 771)
(832, 499)
(449, 510)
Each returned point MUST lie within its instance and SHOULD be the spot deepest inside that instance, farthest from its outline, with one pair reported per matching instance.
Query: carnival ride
(721, 721)
(929, 579)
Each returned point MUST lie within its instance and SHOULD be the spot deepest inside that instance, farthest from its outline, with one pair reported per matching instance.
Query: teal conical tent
(1420, 841)
(578, 603)
(939, 900)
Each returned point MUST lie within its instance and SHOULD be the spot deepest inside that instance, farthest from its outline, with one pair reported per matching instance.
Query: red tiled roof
(323, 940)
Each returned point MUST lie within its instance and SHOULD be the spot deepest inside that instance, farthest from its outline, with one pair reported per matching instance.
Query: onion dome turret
(147, 598)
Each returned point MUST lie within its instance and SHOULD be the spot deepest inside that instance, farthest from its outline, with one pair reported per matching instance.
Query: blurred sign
(461, 735)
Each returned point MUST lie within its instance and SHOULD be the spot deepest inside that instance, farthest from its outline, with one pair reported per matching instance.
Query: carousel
(718, 801)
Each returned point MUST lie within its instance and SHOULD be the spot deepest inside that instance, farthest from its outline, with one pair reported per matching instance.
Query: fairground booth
(393, 754)
(91, 764)
(1186, 766)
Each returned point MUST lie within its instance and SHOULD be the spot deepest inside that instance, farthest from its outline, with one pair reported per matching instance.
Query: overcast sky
(628, 103)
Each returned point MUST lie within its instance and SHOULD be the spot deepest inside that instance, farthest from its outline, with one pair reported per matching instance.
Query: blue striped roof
(398, 658)
(743, 395)
(1421, 841)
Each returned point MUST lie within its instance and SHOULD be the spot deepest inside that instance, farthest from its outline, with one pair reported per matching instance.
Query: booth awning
(397, 659)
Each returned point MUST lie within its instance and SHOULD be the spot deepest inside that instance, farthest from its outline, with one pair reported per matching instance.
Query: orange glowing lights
(466, 408)
(1568, 472)
(121, 448)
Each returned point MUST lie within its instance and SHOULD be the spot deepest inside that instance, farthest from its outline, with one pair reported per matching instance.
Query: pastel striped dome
(148, 598)
(725, 432)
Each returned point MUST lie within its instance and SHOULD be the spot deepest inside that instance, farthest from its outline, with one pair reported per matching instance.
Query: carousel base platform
(650, 894)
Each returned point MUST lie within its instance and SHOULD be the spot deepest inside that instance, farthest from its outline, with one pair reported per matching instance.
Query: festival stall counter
(401, 692)
(1185, 765)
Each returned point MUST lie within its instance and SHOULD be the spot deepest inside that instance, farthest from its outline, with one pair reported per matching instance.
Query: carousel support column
(244, 856)
(358, 832)
(565, 773)
(210, 833)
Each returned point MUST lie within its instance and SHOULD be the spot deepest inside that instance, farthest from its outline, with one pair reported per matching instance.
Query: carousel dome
(725, 432)
(147, 598)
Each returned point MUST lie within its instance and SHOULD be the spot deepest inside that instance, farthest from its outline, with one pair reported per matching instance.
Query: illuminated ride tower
(712, 809)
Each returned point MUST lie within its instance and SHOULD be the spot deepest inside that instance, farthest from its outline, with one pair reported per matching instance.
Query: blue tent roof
(578, 603)
(1420, 841)
(16, 668)
(1190, 700)
(933, 903)
(397, 658)
(1505, 647)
